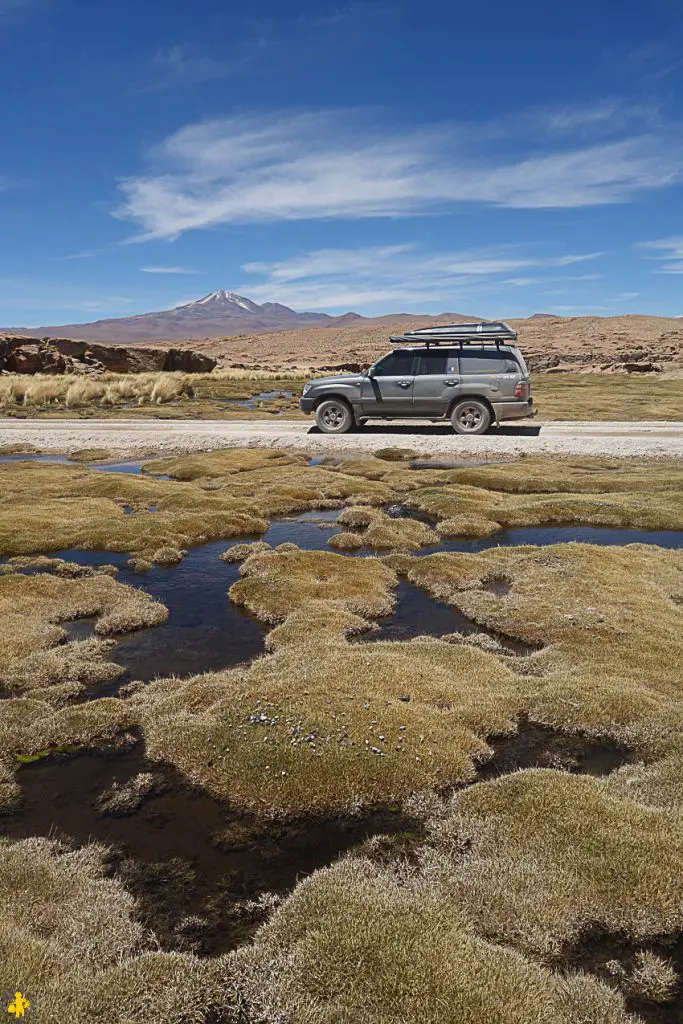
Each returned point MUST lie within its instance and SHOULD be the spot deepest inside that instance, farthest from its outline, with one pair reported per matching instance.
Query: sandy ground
(645, 439)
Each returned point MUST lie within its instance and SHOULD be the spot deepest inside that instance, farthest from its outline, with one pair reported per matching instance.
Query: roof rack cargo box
(494, 330)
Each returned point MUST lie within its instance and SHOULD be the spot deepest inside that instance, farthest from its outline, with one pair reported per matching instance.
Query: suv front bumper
(306, 405)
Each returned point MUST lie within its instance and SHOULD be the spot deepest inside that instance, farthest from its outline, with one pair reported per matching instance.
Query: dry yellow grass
(276, 583)
(44, 507)
(55, 391)
(534, 492)
(358, 943)
(73, 945)
(32, 649)
(508, 871)
(381, 532)
(551, 854)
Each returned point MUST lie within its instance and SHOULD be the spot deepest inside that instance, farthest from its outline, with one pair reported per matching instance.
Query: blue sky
(492, 158)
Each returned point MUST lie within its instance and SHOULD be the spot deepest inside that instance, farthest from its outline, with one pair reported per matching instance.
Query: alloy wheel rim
(470, 417)
(333, 416)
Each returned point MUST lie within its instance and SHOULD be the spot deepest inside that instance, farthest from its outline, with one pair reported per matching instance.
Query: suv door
(388, 388)
(436, 381)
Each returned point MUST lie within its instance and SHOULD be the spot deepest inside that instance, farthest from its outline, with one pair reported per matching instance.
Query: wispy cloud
(180, 65)
(168, 270)
(308, 165)
(667, 250)
(397, 276)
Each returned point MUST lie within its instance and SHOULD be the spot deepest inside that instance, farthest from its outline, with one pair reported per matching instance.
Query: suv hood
(341, 378)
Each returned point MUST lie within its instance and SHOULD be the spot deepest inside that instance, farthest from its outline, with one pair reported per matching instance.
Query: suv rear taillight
(522, 390)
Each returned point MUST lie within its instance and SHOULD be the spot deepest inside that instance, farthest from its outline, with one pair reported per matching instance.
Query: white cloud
(332, 164)
(397, 276)
(168, 270)
(669, 251)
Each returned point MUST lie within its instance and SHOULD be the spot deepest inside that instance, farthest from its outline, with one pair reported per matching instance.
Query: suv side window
(431, 361)
(395, 364)
(486, 361)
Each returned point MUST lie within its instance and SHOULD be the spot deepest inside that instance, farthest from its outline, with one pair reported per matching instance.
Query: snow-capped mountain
(225, 300)
(219, 314)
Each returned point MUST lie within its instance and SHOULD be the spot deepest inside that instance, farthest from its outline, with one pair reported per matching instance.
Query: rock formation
(62, 355)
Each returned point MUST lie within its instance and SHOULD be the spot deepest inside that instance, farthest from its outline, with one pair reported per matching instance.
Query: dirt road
(136, 437)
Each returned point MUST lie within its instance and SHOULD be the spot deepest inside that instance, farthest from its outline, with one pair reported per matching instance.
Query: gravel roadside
(132, 437)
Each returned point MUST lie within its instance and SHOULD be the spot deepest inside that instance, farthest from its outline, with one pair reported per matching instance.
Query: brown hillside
(547, 341)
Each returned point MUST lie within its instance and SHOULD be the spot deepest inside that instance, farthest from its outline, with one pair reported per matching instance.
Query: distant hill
(542, 316)
(219, 314)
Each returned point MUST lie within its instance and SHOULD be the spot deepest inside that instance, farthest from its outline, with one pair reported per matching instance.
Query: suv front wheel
(471, 416)
(334, 417)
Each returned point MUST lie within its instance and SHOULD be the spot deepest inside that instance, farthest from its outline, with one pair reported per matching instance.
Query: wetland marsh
(355, 740)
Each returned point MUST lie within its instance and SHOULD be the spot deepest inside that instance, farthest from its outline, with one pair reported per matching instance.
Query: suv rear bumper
(514, 410)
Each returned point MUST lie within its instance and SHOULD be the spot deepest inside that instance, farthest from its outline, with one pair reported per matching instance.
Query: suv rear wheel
(334, 417)
(471, 416)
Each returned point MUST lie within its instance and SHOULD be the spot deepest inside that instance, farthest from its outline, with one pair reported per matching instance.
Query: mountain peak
(222, 299)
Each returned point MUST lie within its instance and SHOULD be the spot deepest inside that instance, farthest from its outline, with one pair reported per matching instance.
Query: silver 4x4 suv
(468, 373)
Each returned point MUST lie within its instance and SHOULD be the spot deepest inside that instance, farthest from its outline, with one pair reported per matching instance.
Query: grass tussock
(32, 648)
(240, 552)
(168, 556)
(354, 942)
(221, 463)
(324, 723)
(90, 455)
(65, 392)
(44, 507)
(376, 530)
(471, 525)
(276, 583)
(507, 874)
(630, 509)
(551, 854)
(74, 943)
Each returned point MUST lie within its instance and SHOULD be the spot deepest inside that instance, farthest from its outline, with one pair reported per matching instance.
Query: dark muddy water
(196, 866)
(127, 466)
(543, 535)
(206, 632)
(263, 396)
(418, 614)
(539, 746)
(30, 457)
(201, 870)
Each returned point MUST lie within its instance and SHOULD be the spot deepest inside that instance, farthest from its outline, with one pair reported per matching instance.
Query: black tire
(471, 416)
(334, 416)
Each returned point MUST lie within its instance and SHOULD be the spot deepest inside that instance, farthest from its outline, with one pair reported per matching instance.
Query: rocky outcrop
(592, 363)
(63, 355)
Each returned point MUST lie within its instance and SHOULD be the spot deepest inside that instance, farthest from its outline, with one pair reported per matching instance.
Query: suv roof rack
(492, 330)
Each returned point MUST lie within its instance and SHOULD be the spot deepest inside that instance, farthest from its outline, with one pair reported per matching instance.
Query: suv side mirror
(370, 373)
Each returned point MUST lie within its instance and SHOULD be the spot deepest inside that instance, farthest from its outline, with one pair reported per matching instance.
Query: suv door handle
(404, 383)
(451, 382)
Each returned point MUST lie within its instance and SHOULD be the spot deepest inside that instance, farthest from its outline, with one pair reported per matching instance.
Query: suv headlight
(307, 387)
